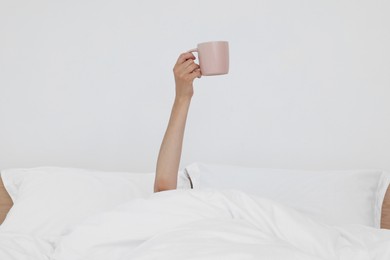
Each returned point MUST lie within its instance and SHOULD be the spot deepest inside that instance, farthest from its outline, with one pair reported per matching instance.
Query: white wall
(90, 84)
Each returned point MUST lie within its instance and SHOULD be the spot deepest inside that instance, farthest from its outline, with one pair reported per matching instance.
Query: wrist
(183, 99)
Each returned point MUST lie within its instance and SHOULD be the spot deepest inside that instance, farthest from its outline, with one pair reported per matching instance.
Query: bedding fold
(15, 246)
(216, 225)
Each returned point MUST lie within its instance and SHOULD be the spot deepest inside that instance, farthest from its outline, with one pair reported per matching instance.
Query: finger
(196, 74)
(187, 63)
(183, 68)
(190, 68)
(184, 57)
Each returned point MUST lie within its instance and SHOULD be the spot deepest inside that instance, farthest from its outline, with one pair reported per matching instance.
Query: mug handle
(193, 50)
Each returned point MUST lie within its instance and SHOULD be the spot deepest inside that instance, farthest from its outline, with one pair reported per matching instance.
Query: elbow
(157, 188)
(162, 185)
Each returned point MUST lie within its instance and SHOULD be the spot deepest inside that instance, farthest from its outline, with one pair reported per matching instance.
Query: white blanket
(23, 247)
(216, 225)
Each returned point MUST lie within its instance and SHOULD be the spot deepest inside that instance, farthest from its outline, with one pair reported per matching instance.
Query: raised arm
(185, 71)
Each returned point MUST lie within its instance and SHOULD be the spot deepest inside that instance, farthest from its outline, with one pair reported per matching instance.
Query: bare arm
(185, 71)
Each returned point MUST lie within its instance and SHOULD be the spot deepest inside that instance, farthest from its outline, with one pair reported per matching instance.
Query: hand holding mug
(213, 57)
(213, 60)
(185, 71)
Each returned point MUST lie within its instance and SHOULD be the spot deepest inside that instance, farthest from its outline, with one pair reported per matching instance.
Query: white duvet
(23, 247)
(216, 225)
(211, 225)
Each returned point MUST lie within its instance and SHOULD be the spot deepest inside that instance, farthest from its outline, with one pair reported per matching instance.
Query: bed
(6, 204)
(209, 224)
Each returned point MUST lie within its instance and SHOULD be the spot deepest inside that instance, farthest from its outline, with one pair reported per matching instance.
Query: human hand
(185, 71)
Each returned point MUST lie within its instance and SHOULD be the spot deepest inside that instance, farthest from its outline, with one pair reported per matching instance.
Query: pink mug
(213, 57)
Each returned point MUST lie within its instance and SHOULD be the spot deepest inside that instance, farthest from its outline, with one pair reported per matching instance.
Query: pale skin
(185, 71)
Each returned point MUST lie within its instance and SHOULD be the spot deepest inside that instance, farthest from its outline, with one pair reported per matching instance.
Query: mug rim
(213, 42)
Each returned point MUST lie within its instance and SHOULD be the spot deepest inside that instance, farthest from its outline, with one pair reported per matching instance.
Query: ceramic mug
(213, 57)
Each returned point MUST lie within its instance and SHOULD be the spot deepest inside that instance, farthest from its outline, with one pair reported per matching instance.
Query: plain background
(90, 84)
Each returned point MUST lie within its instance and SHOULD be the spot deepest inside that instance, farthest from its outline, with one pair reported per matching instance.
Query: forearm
(185, 71)
(170, 151)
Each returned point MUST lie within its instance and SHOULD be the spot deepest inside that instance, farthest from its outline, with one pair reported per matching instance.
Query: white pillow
(334, 197)
(48, 201)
